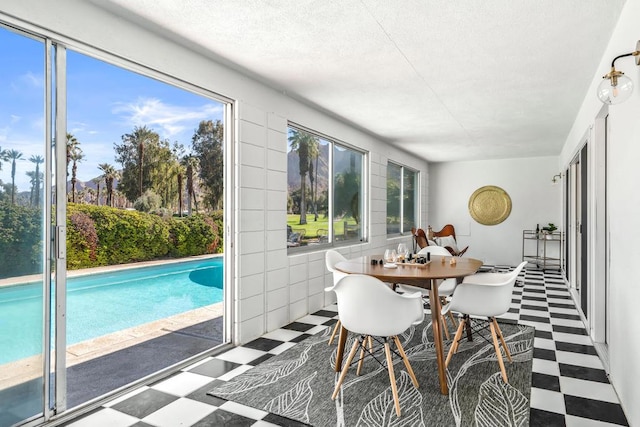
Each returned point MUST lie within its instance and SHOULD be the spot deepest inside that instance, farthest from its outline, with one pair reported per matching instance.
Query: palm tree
(32, 180)
(72, 145)
(300, 142)
(13, 155)
(38, 160)
(3, 157)
(140, 137)
(97, 182)
(76, 157)
(314, 153)
(191, 164)
(109, 173)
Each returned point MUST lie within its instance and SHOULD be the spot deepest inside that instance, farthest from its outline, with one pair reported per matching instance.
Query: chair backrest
(434, 250)
(368, 306)
(447, 230)
(485, 294)
(420, 237)
(331, 258)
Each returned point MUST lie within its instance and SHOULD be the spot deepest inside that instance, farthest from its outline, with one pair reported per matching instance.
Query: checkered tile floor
(569, 384)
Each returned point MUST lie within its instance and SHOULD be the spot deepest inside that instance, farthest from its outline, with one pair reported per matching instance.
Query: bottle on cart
(537, 230)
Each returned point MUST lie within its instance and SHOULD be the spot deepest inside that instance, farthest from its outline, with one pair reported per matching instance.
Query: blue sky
(103, 103)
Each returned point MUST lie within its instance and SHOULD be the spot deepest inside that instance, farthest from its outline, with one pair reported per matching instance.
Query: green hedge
(100, 235)
(20, 240)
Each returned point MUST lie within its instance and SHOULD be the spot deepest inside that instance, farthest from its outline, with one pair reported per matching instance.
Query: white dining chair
(484, 295)
(331, 258)
(445, 287)
(369, 308)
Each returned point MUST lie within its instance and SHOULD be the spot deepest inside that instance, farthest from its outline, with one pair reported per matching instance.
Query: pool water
(103, 303)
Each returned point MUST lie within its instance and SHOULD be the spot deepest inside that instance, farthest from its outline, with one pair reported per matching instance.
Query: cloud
(14, 118)
(28, 80)
(170, 119)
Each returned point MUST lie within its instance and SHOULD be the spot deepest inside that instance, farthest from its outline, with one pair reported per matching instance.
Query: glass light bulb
(617, 94)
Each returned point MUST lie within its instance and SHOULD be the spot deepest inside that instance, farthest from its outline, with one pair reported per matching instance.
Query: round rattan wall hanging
(490, 205)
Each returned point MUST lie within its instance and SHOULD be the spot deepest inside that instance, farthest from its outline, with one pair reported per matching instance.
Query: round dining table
(420, 275)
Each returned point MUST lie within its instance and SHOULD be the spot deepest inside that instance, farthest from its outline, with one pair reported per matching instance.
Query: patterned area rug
(298, 383)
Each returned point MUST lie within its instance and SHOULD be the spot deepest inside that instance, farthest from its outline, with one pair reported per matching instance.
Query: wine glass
(403, 251)
(390, 256)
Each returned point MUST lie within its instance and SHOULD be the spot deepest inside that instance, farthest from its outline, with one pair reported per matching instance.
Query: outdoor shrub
(101, 235)
(192, 235)
(82, 240)
(149, 201)
(20, 240)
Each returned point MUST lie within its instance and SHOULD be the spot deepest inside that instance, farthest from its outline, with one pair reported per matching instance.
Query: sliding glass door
(102, 169)
(24, 189)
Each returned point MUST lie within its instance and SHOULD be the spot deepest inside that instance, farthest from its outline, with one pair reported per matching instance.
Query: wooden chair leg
(445, 327)
(453, 319)
(405, 359)
(504, 344)
(365, 341)
(454, 344)
(443, 320)
(496, 345)
(335, 331)
(392, 378)
(345, 368)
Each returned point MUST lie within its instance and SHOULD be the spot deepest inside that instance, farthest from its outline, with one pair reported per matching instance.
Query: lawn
(311, 227)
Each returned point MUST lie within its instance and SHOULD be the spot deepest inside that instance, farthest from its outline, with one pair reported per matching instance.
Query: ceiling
(448, 80)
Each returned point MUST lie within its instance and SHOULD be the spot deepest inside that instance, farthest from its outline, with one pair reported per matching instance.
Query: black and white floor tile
(569, 383)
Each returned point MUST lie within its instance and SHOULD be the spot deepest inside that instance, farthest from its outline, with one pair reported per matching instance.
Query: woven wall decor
(489, 205)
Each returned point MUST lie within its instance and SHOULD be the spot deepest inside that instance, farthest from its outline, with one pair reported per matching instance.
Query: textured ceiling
(447, 79)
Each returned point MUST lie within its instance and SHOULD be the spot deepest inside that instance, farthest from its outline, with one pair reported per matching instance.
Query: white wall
(272, 288)
(623, 201)
(534, 200)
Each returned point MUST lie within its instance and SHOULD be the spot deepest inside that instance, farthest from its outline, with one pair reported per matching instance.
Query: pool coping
(24, 280)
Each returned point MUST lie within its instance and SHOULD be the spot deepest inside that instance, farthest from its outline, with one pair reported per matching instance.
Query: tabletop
(440, 267)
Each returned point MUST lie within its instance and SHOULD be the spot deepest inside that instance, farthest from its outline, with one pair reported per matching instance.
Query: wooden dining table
(423, 276)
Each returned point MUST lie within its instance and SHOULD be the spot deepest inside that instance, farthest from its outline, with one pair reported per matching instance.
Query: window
(320, 210)
(402, 198)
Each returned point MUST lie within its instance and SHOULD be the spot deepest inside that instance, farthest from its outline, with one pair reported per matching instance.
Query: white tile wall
(252, 199)
(278, 123)
(276, 160)
(251, 286)
(277, 288)
(252, 242)
(298, 291)
(275, 240)
(250, 329)
(251, 155)
(316, 302)
(251, 264)
(298, 273)
(316, 285)
(277, 140)
(298, 309)
(251, 221)
(278, 298)
(250, 307)
(252, 133)
(277, 318)
(252, 114)
(251, 177)
(277, 279)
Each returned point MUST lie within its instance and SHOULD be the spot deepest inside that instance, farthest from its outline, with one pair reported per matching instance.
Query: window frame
(364, 186)
(416, 200)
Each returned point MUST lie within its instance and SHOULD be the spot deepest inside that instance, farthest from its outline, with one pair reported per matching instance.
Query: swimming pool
(103, 303)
